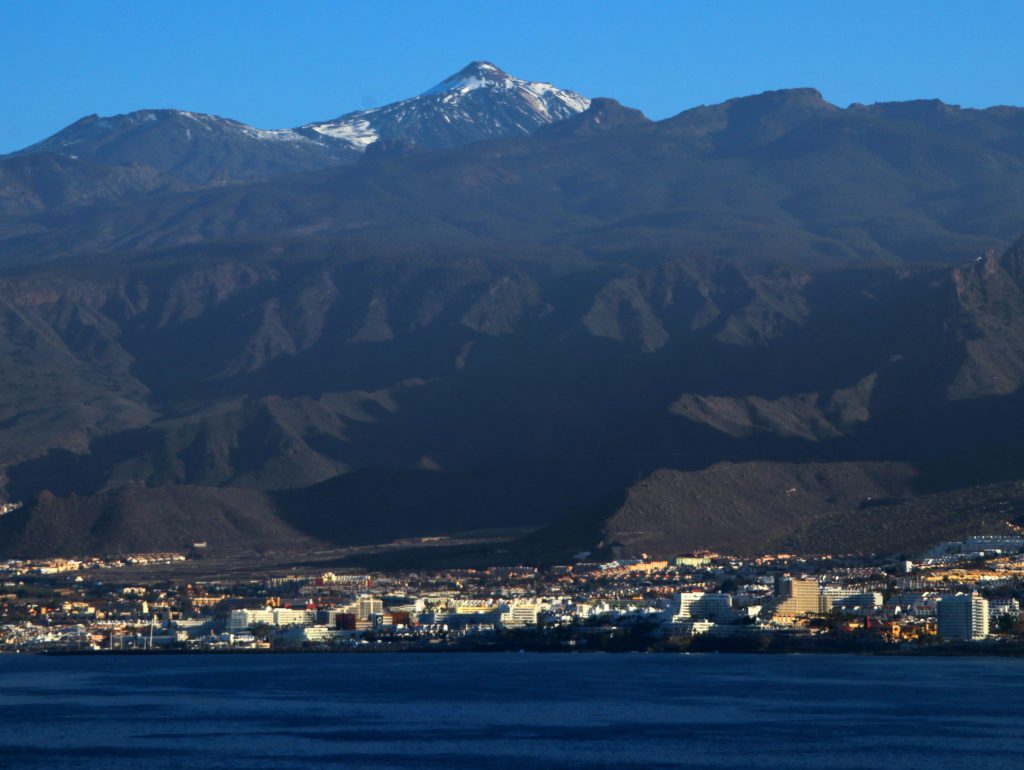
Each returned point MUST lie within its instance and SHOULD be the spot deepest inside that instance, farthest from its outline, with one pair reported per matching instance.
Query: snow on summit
(484, 75)
(478, 102)
(481, 74)
(475, 75)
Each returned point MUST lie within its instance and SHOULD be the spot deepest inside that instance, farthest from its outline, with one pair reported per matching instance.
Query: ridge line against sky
(277, 65)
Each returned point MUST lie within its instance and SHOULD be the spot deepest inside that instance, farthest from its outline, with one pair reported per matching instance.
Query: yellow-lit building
(798, 598)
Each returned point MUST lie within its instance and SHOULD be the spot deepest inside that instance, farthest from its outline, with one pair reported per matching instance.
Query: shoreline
(973, 650)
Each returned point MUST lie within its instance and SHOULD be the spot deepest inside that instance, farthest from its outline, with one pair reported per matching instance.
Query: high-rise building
(963, 618)
(519, 614)
(367, 606)
(797, 597)
(716, 607)
(681, 607)
(699, 605)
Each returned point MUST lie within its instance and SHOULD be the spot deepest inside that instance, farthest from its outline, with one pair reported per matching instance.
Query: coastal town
(965, 593)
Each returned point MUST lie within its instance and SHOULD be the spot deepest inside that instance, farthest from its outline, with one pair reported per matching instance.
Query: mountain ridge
(605, 329)
(478, 102)
(834, 187)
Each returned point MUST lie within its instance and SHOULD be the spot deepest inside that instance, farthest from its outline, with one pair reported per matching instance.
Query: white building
(691, 627)
(1004, 605)
(682, 604)
(963, 618)
(519, 614)
(716, 607)
(367, 606)
(870, 600)
(689, 605)
(279, 617)
(318, 634)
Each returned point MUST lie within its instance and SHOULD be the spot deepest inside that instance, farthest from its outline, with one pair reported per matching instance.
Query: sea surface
(510, 711)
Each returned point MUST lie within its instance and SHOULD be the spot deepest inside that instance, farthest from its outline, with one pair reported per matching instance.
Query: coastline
(697, 646)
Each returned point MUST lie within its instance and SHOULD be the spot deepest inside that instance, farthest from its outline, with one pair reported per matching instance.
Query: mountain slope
(201, 149)
(778, 180)
(610, 328)
(479, 102)
(44, 181)
(469, 379)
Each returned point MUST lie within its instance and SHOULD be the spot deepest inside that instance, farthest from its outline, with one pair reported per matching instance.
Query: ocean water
(510, 711)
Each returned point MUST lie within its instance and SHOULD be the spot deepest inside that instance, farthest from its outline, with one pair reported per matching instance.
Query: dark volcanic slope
(758, 507)
(609, 329)
(277, 374)
(745, 506)
(133, 518)
(41, 182)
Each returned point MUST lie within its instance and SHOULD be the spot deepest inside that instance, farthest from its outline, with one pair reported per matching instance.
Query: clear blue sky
(279, 64)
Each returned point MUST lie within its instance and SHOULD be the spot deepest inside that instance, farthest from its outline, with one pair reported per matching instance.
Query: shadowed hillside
(611, 330)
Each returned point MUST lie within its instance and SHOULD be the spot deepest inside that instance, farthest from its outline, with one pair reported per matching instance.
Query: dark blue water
(511, 711)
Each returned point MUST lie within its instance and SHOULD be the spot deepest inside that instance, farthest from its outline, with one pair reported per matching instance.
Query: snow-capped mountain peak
(480, 101)
(483, 75)
(478, 74)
